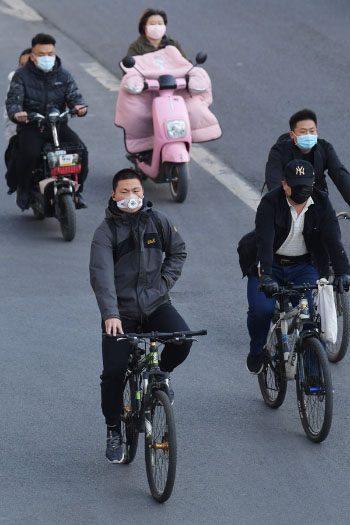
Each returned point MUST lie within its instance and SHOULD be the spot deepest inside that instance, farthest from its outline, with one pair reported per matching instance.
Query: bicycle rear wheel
(314, 390)
(272, 380)
(160, 447)
(336, 351)
(128, 423)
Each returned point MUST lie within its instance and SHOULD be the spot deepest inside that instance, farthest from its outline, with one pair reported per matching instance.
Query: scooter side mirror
(201, 57)
(128, 62)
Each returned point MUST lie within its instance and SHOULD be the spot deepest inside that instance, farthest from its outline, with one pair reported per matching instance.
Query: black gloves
(343, 282)
(268, 285)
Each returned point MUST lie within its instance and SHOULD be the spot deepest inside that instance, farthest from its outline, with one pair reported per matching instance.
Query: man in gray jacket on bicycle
(131, 279)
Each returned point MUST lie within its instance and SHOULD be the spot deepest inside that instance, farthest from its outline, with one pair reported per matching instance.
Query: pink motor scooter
(169, 158)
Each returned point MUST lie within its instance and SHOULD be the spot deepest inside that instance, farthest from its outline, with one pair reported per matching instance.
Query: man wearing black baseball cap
(296, 231)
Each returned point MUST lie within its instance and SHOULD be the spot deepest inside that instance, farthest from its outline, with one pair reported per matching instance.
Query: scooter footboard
(175, 152)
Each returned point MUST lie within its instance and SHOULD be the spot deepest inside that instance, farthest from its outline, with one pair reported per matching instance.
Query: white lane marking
(102, 75)
(206, 160)
(226, 176)
(21, 10)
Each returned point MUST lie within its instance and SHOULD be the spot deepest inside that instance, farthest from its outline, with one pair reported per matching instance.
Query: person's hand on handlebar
(81, 110)
(21, 116)
(114, 326)
(343, 282)
(268, 285)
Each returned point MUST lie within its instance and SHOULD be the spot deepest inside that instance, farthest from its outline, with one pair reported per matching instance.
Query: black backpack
(156, 221)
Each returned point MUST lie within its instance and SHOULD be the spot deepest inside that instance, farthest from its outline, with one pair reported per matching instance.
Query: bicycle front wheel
(314, 390)
(272, 380)
(336, 351)
(128, 423)
(160, 447)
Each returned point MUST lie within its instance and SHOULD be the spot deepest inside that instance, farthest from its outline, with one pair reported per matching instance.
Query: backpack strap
(159, 226)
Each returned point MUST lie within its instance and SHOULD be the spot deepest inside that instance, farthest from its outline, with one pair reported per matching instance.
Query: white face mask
(133, 202)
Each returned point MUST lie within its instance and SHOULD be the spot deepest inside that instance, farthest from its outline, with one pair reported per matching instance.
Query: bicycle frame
(146, 370)
(290, 322)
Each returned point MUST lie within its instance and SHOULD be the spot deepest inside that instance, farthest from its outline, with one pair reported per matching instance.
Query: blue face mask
(46, 63)
(306, 142)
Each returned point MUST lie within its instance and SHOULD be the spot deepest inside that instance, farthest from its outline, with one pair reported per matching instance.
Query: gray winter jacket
(135, 280)
(32, 90)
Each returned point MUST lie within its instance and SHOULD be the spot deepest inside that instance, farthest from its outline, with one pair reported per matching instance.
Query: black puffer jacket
(32, 90)
(324, 159)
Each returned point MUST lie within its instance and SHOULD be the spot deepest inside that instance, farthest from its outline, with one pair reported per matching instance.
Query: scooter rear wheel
(179, 175)
(67, 218)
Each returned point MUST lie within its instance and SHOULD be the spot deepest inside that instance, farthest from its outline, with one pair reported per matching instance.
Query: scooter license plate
(66, 160)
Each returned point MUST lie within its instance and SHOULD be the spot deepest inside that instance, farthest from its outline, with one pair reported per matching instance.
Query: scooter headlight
(176, 129)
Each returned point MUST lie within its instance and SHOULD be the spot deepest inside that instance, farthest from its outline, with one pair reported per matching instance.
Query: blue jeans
(261, 309)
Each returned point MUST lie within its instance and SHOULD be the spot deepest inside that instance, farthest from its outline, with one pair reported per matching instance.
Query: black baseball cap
(299, 172)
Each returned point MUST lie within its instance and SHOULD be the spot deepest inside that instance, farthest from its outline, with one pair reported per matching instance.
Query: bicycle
(293, 351)
(147, 408)
(336, 352)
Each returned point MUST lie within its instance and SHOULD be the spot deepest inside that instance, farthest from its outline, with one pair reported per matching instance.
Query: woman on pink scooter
(152, 28)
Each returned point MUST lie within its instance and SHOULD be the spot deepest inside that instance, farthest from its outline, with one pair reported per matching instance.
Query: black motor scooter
(55, 181)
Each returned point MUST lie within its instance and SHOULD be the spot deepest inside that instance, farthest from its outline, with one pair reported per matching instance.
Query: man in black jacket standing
(41, 85)
(295, 230)
(131, 279)
(302, 142)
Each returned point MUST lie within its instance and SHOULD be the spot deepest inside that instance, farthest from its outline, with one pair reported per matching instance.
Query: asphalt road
(239, 462)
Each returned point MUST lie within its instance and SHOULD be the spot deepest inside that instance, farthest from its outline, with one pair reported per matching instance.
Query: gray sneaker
(114, 450)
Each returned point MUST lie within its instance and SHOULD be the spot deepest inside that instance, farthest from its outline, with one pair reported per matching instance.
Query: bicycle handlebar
(159, 335)
(291, 289)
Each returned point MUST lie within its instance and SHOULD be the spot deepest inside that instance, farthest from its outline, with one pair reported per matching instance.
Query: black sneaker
(255, 363)
(22, 199)
(79, 201)
(114, 450)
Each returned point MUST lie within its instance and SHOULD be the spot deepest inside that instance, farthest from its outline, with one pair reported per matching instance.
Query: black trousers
(30, 140)
(115, 356)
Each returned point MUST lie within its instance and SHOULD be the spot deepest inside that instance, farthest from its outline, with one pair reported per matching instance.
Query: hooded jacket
(136, 281)
(272, 226)
(32, 90)
(324, 158)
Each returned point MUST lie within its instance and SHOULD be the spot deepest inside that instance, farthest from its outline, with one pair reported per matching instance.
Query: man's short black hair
(303, 114)
(145, 16)
(125, 174)
(25, 52)
(43, 38)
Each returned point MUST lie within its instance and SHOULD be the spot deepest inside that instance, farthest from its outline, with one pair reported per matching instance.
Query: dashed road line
(19, 9)
(226, 176)
(102, 75)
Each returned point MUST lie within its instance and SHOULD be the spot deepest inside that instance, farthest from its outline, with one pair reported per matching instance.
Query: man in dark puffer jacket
(39, 87)
(302, 142)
